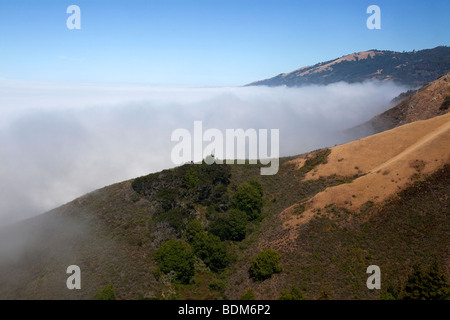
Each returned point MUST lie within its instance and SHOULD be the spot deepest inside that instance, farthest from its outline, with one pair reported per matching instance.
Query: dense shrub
(293, 294)
(211, 250)
(207, 247)
(430, 284)
(249, 199)
(177, 218)
(319, 157)
(257, 185)
(266, 263)
(218, 285)
(177, 256)
(445, 104)
(231, 226)
(248, 295)
(216, 173)
(388, 294)
(193, 228)
(200, 183)
(191, 179)
(167, 198)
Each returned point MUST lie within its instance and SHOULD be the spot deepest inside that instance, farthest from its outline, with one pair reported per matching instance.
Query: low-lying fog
(60, 141)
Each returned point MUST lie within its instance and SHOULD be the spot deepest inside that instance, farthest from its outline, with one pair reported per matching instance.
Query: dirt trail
(432, 135)
(362, 156)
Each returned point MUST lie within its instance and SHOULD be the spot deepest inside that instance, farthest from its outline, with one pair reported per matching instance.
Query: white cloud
(59, 141)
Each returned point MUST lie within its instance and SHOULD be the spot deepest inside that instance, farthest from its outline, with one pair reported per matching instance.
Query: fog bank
(59, 141)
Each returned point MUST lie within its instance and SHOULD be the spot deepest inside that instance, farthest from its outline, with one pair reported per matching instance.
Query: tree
(430, 284)
(231, 226)
(249, 199)
(211, 250)
(293, 294)
(257, 186)
(177, 256)
(266, 263)
(193, 228)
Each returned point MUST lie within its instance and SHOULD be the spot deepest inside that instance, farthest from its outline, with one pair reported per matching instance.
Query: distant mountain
(414, 68)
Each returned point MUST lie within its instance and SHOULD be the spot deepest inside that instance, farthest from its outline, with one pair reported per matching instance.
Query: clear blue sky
(207, 42)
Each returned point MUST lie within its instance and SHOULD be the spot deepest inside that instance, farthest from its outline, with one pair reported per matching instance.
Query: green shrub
(320, 157)
(191, 179)
(388, 294)
(177, 256)
(167, 198)
(177, 218)
(248, 198)
(106, 293)
(193, 228)
(257, 185)
(430, 284)
(211, 213)
(266, 263)
(248, 295)
(231, 226)
(218, 285)
(211, 250)
(293, 294)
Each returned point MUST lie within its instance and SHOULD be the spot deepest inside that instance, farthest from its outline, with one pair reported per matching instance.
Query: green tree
(248, 295)
(177, 256)
(293, 294)
(193, 228)
(266, 263)
(257, 185)
(211, 250)
(249, 199)
(430, 284)
(231, 226)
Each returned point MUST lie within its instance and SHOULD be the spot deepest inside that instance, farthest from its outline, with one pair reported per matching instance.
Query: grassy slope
(332, 251)
(111, 235)
(90, 232)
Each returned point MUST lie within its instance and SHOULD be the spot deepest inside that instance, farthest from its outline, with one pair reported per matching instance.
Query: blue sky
(202, 43)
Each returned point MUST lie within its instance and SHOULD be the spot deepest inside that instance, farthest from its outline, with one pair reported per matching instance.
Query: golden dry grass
(388, 162)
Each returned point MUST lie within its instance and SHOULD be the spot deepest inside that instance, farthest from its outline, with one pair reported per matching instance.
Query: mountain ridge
(414, 68)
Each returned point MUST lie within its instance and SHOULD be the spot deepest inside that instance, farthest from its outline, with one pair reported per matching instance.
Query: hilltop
(413, 69)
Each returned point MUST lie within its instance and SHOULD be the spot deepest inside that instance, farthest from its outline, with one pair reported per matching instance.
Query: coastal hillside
(413, 69)
(194, 232)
